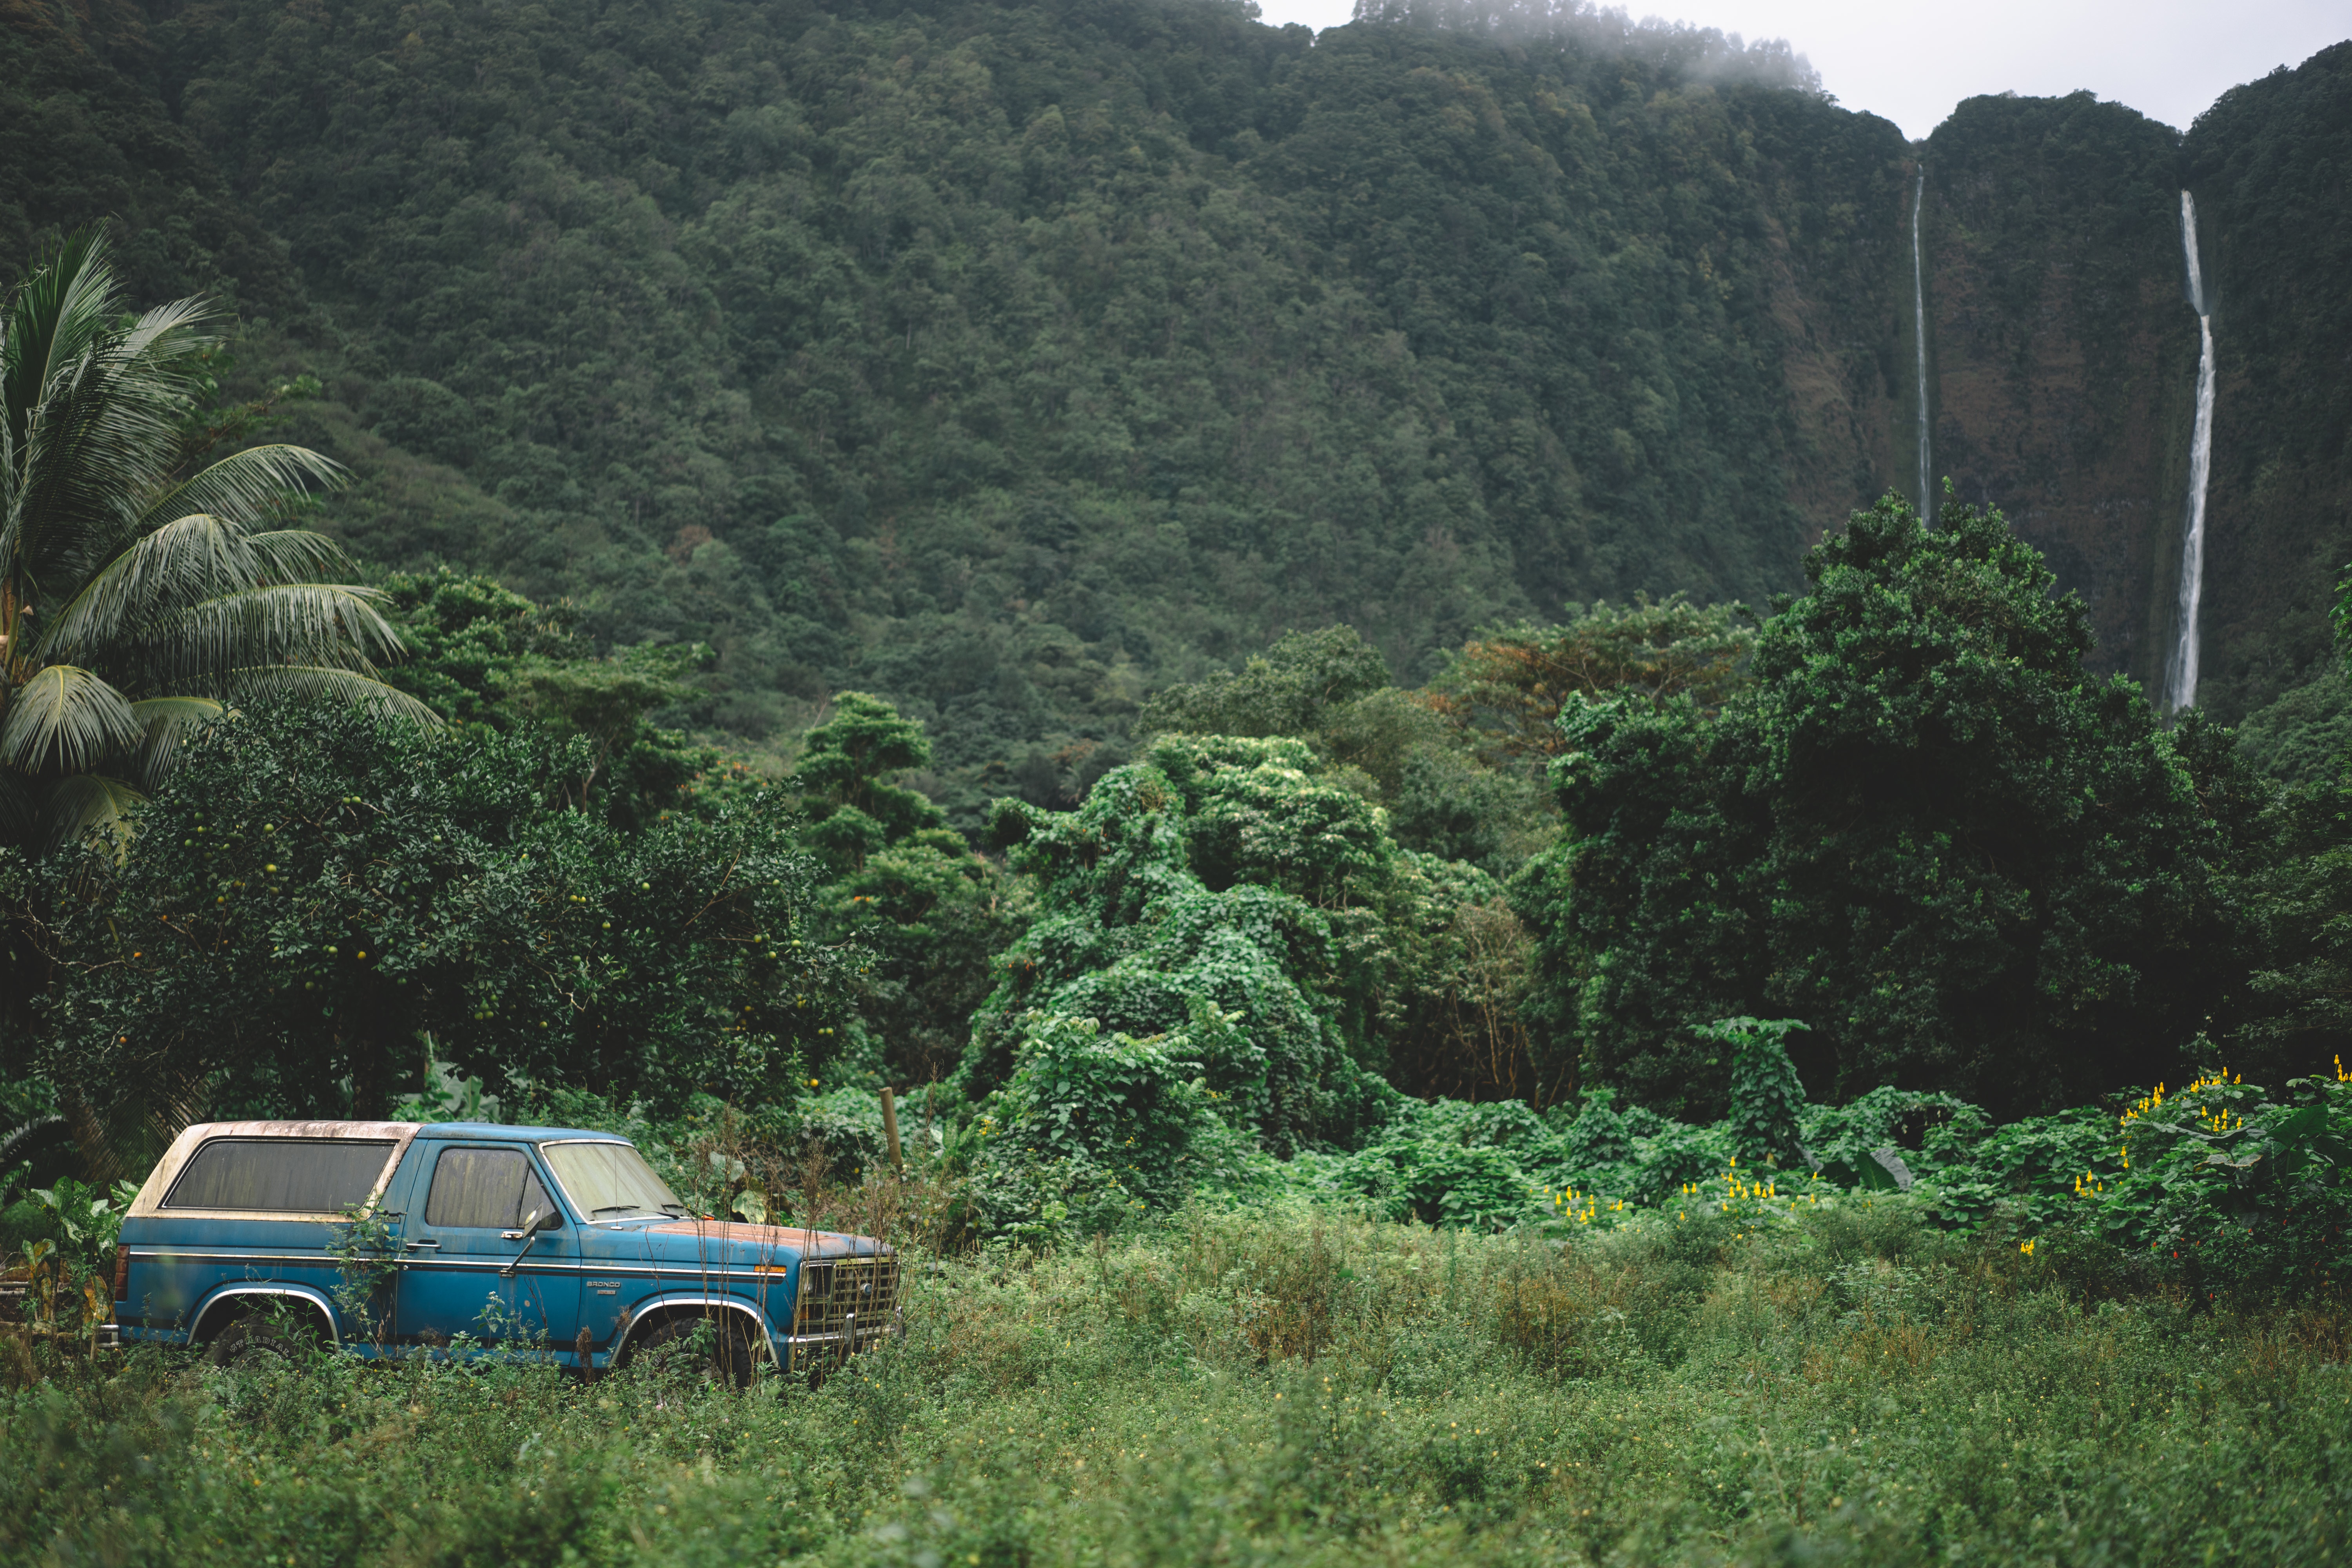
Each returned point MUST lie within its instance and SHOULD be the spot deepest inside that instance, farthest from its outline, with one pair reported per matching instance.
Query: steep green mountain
(2271, 165)
(1011, 360)
(1007, 359)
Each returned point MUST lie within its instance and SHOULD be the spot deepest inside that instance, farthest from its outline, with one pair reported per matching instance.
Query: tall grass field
(1291, 1382)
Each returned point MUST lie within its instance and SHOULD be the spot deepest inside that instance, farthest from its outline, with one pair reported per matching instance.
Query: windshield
(610, 1181)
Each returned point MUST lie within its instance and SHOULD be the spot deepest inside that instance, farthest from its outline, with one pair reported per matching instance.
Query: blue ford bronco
(481, 1238)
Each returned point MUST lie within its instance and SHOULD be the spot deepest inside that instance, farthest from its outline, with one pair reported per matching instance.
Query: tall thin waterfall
(1919, 339)
(2180, 669)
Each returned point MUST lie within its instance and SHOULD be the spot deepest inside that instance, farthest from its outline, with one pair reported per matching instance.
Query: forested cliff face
(2063, 360)
(1011, 359)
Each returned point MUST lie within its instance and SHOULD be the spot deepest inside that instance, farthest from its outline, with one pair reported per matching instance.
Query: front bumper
(802, 1351)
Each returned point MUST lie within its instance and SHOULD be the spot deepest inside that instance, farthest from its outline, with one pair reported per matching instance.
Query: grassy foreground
(1291, 1385)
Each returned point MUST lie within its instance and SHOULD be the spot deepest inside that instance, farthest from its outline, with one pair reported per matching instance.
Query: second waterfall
(1920, 337)
(2181, 668)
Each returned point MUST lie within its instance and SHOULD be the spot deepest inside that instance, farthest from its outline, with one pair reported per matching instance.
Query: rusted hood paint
(773, 1238)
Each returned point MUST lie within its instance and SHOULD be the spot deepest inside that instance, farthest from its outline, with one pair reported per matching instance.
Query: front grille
(844, 1302)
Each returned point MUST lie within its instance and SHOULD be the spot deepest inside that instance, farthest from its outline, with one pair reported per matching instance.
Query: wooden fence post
(890, 1130)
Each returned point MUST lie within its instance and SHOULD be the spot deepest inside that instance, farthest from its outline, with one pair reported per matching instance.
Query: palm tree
(141, 593)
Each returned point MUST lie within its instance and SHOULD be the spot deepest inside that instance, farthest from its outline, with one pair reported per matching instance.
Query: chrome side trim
(760, 1278)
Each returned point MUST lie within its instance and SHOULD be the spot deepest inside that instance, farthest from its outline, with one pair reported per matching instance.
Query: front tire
(717, 1351)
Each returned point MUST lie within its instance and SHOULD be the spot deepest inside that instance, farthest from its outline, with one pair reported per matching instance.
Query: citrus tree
(321, 896)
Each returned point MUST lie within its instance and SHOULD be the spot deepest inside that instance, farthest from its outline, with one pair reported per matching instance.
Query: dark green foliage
(2062, 361)
(1924, 833)
(1948, 790)
(2297, 1013)
(844, 777)
(468, 641)
(1330, 688)
(1643, 924)
(1093, 1119)
(1290, 689)
(927, 911)
(1596, 1135)
(86, 139)
(1092, 346)
(2305, 736)
(1249, 872)
(482, 654)
(317, 891)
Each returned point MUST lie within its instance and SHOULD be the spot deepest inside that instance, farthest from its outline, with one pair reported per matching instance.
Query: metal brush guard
(845, 1304)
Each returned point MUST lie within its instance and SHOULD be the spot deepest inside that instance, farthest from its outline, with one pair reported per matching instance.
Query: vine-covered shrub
(1219, 871)
(1097, 1125)
(1767, 1100)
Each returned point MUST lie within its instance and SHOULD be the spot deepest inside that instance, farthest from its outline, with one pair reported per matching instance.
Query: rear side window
(484, 1189)
(284, 1175)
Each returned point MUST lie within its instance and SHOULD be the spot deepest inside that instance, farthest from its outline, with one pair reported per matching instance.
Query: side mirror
(532, 1224)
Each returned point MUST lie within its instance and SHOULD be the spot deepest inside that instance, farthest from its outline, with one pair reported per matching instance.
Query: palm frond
(180, 564)
(104, 433)
(249, 486)
(52, 317)
(295, 555)
(312, 683)
(166, 335)
(285, 623)
(167, 720)
(82, 804)
(66, 718)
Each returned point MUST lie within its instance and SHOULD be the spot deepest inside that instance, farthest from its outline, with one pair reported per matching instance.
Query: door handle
(414, 1245)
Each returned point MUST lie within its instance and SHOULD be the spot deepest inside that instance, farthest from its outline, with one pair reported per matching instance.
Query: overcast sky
(1912, 62)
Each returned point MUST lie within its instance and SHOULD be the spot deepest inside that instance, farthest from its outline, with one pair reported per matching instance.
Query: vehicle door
(469, 1266)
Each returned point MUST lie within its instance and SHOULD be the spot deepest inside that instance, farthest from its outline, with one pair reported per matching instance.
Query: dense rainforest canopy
(1359, 564)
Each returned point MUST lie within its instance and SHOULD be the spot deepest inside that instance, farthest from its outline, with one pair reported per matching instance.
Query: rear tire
(250, 1344)
(679, 1349)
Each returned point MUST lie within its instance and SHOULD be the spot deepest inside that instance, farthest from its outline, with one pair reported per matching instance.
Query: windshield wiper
(616, 1208)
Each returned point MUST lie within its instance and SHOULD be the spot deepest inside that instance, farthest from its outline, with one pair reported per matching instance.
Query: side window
(286, 1175)
(484, 1189)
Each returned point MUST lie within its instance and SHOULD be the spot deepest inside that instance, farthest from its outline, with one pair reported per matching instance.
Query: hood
(756, 1244)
